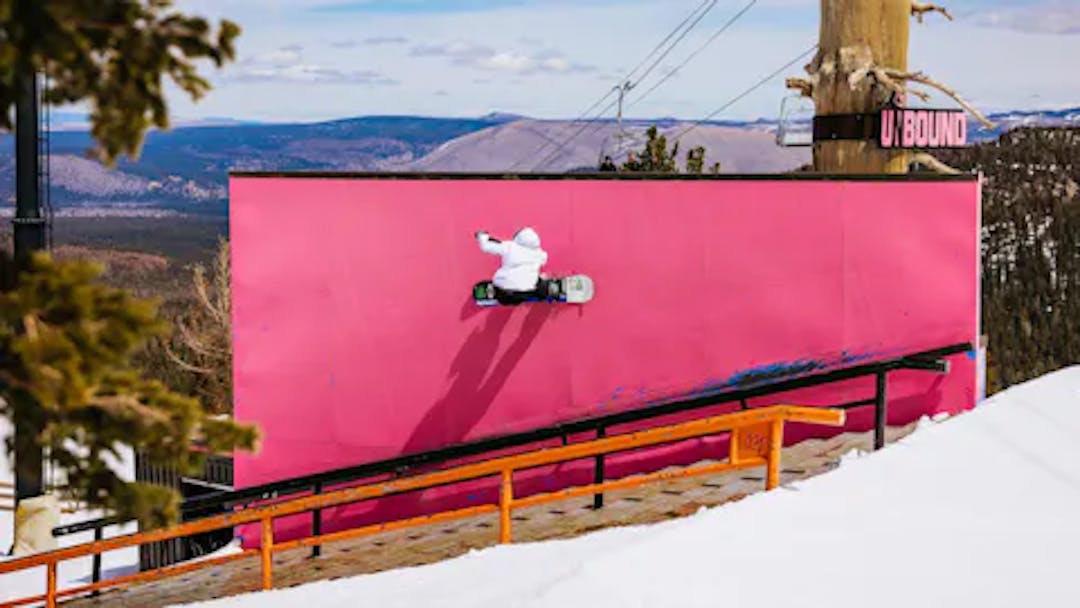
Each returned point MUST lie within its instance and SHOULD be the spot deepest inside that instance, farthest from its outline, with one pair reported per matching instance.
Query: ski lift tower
(620, 134)
(619, 142)
(29, 231)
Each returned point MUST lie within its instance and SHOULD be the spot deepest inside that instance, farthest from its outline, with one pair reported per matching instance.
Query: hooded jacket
(521, 259)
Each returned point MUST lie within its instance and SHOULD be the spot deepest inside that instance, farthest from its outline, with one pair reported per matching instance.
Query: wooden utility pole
(860, 68)
(854, 35)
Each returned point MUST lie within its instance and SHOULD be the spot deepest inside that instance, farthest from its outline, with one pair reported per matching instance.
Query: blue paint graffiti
(755, 376)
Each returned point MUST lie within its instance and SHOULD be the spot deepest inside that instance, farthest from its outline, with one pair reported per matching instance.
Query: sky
(306, 60)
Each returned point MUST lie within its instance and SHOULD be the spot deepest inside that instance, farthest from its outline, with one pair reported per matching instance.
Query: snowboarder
(519, 277)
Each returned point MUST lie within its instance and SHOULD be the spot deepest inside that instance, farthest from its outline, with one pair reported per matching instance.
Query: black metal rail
(216, 502)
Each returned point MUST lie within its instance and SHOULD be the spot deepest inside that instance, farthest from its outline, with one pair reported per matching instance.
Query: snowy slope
(981, 510)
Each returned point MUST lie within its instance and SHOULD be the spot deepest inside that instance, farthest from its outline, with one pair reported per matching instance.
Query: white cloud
(476, 56)
(506, 61)
(280, 57)
(350, 43)
(287, 65)
(1045, 18)
(463, 53)
(460, 51)
(377, 40)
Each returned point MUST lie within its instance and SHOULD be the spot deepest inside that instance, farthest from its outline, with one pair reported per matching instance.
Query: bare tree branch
(919, 9)
(185, 365)
(933, 163)
(884, 79)
(802, 85)
(201, 341)
(921, 78)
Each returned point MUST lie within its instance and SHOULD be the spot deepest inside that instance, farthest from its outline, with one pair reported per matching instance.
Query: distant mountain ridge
(187, 168)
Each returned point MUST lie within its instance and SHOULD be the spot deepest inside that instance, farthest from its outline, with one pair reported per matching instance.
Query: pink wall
(356, 338)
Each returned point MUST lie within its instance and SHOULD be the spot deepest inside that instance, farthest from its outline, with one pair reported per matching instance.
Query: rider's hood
(527, 237)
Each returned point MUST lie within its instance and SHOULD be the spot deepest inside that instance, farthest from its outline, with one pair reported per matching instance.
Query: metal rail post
(95, 571)
(776, 444)
(267, 550)
(506, 496)
(316, 522)
(50, 585)
(598, 477)
(880, 413)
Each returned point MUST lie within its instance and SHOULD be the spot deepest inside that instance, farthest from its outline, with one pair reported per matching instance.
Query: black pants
(513, 298)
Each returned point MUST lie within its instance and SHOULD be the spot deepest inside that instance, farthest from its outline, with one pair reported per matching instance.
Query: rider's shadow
(477, 377)
(477, 380)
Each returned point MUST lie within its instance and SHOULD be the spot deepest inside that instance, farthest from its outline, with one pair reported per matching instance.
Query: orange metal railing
(756, 439)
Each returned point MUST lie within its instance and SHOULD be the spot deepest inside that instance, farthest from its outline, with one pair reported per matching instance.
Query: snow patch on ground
(977, 510)
(73, 572)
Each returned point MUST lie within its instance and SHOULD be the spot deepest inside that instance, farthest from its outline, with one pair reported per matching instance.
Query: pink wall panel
(356, 338)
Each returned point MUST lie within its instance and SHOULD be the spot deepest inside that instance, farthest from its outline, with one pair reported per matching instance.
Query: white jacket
(521, 259)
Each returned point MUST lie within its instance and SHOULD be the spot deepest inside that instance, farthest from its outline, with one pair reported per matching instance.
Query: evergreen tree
(66, 343)
(656, 158)
(695, 160)
(1030, 250)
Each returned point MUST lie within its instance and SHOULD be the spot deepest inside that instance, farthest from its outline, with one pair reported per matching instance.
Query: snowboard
(571, 289)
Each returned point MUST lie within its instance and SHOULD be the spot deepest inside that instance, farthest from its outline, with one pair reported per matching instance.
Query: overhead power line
(696, 52)
(626, 78)
(554, 154)
(671, 34)
(757, 85)
(680, 32)
(671, 47)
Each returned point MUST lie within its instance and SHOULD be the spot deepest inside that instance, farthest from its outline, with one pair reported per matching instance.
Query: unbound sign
(910, 128)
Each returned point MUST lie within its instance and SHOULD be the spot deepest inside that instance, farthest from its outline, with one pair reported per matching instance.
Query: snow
(977, 510)
(73, 572)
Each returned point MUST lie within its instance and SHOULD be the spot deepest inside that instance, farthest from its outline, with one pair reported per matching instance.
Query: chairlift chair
(788, 135)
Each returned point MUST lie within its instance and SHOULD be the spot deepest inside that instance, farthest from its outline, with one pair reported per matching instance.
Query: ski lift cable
(626, 78)
(671, 47)
(743, 94)
(592, 123)
(670, 35)
(697, 52)
(559, 146)
(682, 30)
(548, 158)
